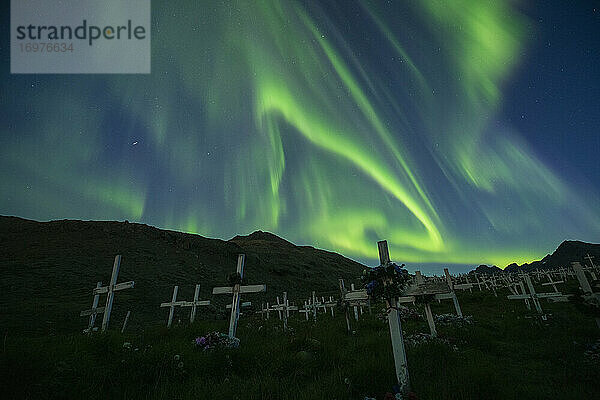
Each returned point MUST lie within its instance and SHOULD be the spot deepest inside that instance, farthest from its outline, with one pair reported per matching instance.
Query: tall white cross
(395, 329)
(237, 290)
(112, 287)
(454, 298)
(428, 312)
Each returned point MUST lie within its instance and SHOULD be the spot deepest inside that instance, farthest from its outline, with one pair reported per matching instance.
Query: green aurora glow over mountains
(333, 125)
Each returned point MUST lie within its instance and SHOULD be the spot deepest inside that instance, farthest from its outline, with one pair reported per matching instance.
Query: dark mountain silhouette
(487, 270)
(568, 252)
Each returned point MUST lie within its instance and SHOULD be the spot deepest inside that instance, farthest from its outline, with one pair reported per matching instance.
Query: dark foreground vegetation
(507, 353)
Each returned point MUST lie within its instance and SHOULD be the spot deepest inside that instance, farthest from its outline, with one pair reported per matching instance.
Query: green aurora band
(275, 115)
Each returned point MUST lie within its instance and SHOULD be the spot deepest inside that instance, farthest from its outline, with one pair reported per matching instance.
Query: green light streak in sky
(273, 115)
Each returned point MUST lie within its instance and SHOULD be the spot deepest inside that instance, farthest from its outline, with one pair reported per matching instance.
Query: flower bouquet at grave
(385, 282)
(216, 341)
(406, 313)
(451, 319)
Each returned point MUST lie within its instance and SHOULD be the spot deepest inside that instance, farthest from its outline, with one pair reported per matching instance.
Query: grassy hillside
(49, 269)
(505, 354)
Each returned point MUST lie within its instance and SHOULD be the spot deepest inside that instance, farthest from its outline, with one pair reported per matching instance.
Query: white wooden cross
(330, 304)
(588, 292)
(355, 306)
(305, 310)
(590, 258)
(284, 309)
(395, 329)
(243, 305)
(264, 311)
(196, 303)
(93, 312)
(172, 304)
(237, 290)
(592, 266)
(112, 287)
(310, 306)
(479, 283)
(428, 313)
(556, 296)
(551, 282)
(454, 298)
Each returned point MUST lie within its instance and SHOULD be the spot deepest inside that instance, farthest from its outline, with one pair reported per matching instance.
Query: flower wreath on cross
(385, 282)
(235, 279)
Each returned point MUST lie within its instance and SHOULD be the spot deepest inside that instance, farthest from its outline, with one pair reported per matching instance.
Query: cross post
(237, 290)
(395, 325)
(112, 287)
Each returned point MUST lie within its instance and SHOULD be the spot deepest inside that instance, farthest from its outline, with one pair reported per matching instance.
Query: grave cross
(174, 303)
(195, 303)
(556, 296)
(590, 258)
(428, 313)
(305, 310)
(588, 292)
(331, 304)
(112, 287)
(454, 298)
(237, 290)
(93, 312)
(551, 282)
(243, 305)
(395, 329)
(284, 309)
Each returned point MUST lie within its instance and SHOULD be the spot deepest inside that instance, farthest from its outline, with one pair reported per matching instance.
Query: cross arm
(117, 287)
(98, 310)
(518, 296)
(444, 296)
(356, 295)
(253, 288)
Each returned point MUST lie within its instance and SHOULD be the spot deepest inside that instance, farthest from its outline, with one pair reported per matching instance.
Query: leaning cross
(454, 298)
(428, 312)
(588, 292)
(112, 287)
(535, 297)
(93, 312)
(237, 290)
(590, 258)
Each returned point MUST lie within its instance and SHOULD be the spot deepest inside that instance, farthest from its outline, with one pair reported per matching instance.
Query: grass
(508, 353)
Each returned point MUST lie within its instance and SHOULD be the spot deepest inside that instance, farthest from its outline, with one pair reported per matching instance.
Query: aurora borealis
(335, 125)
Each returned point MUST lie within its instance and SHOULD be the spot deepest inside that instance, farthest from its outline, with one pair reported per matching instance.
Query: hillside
(50, 268)
(567, 252)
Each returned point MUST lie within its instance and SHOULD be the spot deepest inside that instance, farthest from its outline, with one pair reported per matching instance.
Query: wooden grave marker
(236, 290)
(94, 311)
(110, 290)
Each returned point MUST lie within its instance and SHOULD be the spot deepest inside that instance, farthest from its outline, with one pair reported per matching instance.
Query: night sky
(460, 131)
